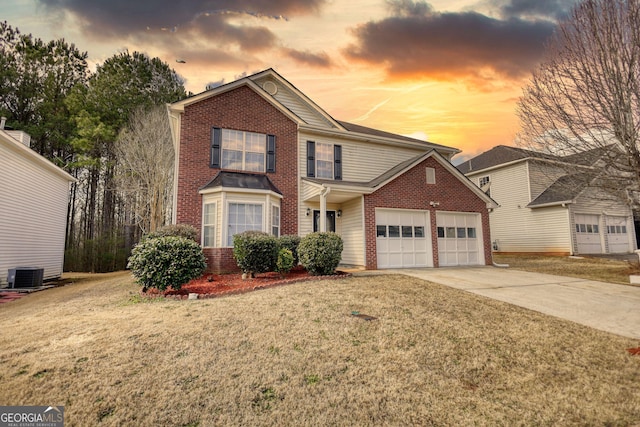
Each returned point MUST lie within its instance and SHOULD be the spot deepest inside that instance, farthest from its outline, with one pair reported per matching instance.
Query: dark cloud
(319, 60)
(417, 41)
(198, 31)
(118, 17)
(550, 9)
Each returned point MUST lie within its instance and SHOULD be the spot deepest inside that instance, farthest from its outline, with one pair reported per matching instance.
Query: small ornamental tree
(164, 262)
(285, 261)
(291, 242)
(320, 253)
(255, 252)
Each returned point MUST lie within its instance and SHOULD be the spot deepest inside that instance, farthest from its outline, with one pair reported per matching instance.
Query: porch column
(323, 208)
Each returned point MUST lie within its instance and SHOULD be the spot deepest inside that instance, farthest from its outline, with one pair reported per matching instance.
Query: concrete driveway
(605, 306)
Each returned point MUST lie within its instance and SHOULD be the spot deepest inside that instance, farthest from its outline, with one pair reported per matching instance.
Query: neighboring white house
(539, 212)
(34, 195)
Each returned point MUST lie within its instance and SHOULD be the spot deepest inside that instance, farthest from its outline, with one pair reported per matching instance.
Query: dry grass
(605, 270)
(295, 355)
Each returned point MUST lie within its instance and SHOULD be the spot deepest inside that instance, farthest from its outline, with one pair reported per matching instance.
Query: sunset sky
(447, 71)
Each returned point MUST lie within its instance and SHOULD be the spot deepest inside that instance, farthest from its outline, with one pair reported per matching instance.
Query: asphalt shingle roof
(241, 180)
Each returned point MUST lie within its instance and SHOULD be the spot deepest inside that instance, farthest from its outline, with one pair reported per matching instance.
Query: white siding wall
(352, 232)
(33, 215)
(518, 228)
(361, 161)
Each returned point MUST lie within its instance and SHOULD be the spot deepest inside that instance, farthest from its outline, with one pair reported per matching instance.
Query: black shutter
(311, 158)
(271, 153)
(337, 162)
(216, 140)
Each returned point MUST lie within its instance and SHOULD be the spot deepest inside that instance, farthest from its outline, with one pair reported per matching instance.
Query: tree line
(107, 128)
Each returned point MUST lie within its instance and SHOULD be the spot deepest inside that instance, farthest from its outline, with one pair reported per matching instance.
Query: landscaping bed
(216, 285)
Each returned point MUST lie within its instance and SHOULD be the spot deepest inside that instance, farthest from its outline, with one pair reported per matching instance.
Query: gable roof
(398, 170)
(499, 155)
(564, 190)
(502, 155)
(299, 112)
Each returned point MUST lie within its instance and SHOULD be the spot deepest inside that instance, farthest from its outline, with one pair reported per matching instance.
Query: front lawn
(604, 270)
(296, 355)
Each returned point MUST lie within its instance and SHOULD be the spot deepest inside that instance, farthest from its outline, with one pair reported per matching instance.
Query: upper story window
(239, 150)
(324, 160)
(484, 182)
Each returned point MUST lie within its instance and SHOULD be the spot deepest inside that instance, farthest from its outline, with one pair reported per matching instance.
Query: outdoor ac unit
(25, 277)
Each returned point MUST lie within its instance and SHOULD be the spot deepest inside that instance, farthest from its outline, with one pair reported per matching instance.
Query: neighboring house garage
(403, 238)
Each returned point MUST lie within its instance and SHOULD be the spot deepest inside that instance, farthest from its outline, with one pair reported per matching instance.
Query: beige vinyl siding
(361, 161)
(33, 214)
(518, 228)
(352, 232)
(298, 106)
(590, 203)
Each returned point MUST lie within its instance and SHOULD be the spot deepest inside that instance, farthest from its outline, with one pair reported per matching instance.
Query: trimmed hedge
(175, 230)
(320, 253)
(164, 262)
(255, 251)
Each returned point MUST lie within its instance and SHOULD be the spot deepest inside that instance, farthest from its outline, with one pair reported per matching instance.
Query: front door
(331, 221)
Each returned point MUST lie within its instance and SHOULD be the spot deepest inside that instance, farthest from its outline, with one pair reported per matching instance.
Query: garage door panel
(588, 237)
(406, 242)
(457, 238)
(617, 234)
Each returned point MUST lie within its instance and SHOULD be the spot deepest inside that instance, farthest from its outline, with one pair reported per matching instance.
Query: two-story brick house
(257, 154)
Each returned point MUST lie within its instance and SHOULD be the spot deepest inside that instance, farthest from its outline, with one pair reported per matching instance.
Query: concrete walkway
(605, 306)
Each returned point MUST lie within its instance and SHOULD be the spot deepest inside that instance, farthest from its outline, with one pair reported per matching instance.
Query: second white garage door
(403, 238)
(459, 239)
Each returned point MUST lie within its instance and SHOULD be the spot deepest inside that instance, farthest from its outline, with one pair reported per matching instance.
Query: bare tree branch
(585, 96)
(144, 171)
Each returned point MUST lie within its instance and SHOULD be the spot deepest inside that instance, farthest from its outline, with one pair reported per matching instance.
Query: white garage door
(617, 234)
(588, 233)
(459, 239)
(403, 239)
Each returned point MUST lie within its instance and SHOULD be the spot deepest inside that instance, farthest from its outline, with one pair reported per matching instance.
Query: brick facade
(411, 191)
(238, 109)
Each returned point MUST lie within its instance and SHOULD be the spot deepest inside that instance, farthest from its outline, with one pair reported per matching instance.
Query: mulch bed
(217, 285)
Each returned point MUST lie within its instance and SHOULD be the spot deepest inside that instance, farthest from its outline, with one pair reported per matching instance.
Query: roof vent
(270, 87)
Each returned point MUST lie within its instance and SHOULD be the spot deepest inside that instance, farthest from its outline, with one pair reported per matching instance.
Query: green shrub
(285, 261)
(255, 251)
(175, 230)
(320, 253)
(291, 242)
(164, 262)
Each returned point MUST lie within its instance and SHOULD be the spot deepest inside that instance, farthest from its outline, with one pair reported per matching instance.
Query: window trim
(205, 224)
(227, 224)
(336, 160)
(273, 216)
(217, 149)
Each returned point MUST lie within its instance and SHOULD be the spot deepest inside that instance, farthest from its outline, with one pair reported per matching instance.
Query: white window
(275, 221)
(243, 217)
(431, 176)
(209, 225)
(484, 182)
(243, 150)
(324, 160)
